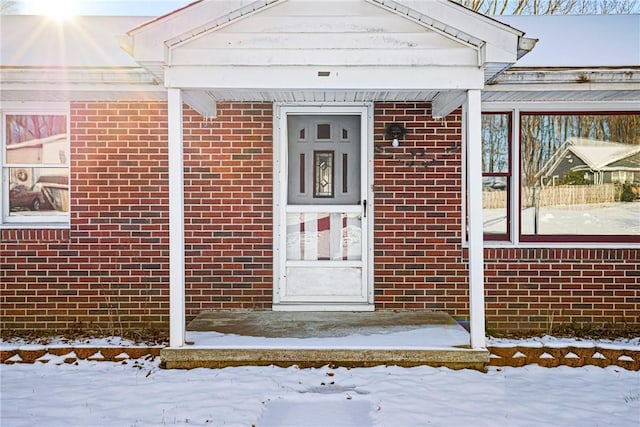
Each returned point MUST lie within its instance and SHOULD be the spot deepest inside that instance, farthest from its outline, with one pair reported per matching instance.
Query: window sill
(558, 245)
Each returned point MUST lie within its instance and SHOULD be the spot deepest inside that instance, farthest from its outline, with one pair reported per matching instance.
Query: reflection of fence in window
(569, 195)
(494, 199)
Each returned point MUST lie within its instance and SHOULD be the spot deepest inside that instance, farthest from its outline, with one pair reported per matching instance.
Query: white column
(474, 209)
(177, 319)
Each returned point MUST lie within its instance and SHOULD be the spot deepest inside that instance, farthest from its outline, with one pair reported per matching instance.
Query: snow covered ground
(138, 393)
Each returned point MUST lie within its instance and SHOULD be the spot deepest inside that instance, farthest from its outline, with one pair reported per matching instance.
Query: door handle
(364, 207)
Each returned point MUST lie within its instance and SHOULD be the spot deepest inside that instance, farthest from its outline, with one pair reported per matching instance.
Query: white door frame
(280, 168)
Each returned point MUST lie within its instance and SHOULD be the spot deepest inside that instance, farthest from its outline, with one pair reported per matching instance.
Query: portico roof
(308, 50)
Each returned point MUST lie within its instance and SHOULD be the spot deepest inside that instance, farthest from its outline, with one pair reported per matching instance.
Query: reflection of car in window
(21, 198)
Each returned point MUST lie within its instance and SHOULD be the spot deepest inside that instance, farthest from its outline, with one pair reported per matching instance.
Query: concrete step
(314, 339)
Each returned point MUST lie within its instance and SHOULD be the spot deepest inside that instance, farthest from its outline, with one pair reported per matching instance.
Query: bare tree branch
(552, 7)
(7, 7)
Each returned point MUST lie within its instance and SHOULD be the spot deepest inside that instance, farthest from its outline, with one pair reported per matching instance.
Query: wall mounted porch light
(396, 132)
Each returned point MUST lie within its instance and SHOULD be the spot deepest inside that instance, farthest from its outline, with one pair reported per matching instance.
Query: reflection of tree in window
(35, 159)
(542, 135)
(495, 140)
(21, 128)
(577, 171)
(496, 175)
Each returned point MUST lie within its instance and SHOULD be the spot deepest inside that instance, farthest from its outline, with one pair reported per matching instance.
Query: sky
(98, 7)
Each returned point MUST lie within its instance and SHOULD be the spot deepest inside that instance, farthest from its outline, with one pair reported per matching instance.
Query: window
(579, 177)
(496, 175)
(35, 167)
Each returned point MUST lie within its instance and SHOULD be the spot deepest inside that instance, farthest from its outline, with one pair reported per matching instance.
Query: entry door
(324, 245)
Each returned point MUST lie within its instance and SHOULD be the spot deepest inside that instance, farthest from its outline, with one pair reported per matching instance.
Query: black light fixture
(396, 132)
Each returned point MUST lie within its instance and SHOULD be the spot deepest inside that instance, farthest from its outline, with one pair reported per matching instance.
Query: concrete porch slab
(314, 339)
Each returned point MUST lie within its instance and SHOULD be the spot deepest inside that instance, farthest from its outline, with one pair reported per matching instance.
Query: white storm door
(324, 229)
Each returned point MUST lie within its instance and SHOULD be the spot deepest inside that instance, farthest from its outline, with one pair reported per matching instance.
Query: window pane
(494, 205)
(580, 174)
(496, 168)
(495, 143)
(36, 139)
(323, 131)
(38, 191)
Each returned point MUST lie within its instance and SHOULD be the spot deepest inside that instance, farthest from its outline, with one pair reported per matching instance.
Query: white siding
(323, 33)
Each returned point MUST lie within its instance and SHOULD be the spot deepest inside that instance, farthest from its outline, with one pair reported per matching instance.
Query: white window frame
(540, 107)
(30, 108)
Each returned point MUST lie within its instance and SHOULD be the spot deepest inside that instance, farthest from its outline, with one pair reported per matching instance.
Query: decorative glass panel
(345, 174)
(302, 173)
(323, 131)
(324, 236)
(323, 174)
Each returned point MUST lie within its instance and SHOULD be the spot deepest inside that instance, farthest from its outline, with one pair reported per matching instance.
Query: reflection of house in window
(49, 150)
(48, 184)
(597, 162)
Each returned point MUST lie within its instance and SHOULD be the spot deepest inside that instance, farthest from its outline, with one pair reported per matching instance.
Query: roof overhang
(565, 84)
(43, 59)
(447, 50)
(78, 84)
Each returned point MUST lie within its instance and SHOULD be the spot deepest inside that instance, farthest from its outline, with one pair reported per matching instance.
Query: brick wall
(228, 208)
(110, 269)
(546, 288)
(421, 263)
(418, 201)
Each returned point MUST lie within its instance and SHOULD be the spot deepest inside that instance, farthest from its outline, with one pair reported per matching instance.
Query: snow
(579, 40)
(441, 336)
(60, 342)
(555, 342)
(602, 218)
(423, 337)
(138, 393)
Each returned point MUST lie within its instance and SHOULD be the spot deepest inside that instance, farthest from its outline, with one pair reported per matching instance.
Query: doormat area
(312, 411)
